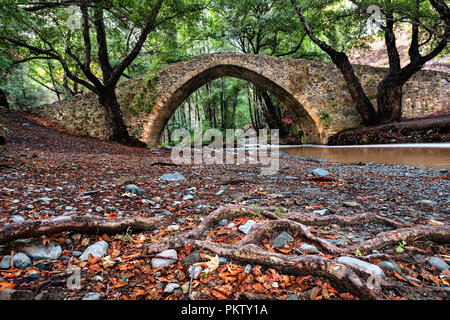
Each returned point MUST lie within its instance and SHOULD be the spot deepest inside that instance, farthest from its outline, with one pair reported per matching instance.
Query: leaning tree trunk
(114, 118)
(389, 100)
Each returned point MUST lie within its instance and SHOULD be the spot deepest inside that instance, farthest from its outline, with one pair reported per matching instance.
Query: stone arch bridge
(309, 88)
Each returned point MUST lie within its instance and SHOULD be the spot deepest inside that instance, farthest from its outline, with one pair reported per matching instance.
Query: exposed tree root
(438, 234)
(262, 229)
(247, 250)
(343, 276)
(227, 212)
(84, 224)
(316, 220)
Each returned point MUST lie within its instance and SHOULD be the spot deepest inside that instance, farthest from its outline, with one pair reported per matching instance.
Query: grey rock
(17, 219)
(223, 222)
(322, 212)
(134, 189)
(362, 266)
(248, 268)
(231, 225)
(191, 258)
(6, 262)
(171, 287)
(172, 177)
(419, 258)
(194, 271)
(37, 250)
(427, 202)
(292, 297)
(308, 248)
(158, 262)
(188, 197)
(92, 296)
(351, 204)
(245, 228)
(222, 261)
(440, 264)
(21, 260)
(390, 266)
(97, 250)
(77, 253)
(282, 239)
(320, 172)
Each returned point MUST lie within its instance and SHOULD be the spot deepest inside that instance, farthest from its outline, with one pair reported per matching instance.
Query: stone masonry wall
(308, 88)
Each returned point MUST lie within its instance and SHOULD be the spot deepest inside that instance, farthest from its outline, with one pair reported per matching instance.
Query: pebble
(188, 197)
(6, 262)
(17, 219)
(282, 239)
(440, 264)
(92, 296)
(21, 260)
(321, 212)
(245, 228)
(172, 177)
(320, 172)
(223, 222)
(97, 250)
(134, 189)
(248, 269)
(390, 266)
(427, 202)
(308, 248)
(191, 258)
(37, 250)
(194, 271)
(171, 287)
(351, 204)
(363, 266)
(158, 263)
(292, 297)
(231, 225)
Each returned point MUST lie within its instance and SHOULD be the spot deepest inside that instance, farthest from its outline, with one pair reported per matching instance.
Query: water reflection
(434, 155)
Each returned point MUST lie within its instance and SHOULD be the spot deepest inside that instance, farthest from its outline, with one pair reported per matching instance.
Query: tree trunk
(108, 100)
(3, 100)
(389, 100)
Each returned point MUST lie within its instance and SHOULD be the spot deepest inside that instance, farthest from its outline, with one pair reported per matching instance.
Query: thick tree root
(313, 219)
(247, 250)
(262, 229)
(84, 224)
(438, 234)
(343, 276)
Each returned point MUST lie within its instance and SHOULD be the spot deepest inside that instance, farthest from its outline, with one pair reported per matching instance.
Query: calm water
(434, 155)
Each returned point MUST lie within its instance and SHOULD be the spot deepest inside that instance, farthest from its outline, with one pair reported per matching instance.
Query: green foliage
(325, 118)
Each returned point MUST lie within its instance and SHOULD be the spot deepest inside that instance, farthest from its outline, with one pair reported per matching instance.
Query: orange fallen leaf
(7, 285)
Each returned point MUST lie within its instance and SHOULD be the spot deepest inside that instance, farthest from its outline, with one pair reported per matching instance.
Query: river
(433, 155)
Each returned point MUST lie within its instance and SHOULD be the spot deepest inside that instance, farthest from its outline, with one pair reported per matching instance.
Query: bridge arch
(180, 82)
